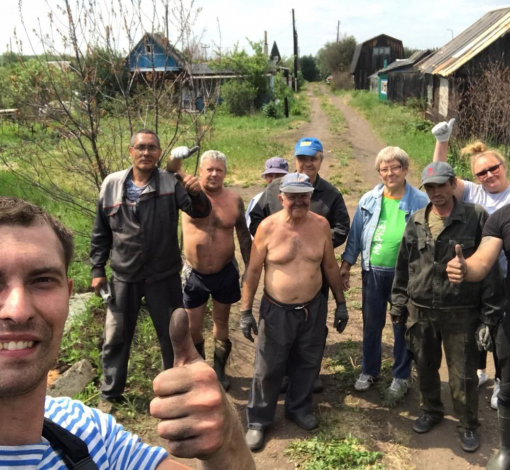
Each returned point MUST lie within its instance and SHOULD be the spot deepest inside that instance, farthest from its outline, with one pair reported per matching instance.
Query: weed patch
(324, 453)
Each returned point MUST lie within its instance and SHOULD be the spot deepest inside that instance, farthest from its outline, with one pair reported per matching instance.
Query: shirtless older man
(211, 268)
(295, 248)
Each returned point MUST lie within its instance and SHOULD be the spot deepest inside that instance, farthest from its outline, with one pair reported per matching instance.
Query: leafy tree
(409, 51)
(309, 68)
(239, 96)
(336, 56)
(252, 68)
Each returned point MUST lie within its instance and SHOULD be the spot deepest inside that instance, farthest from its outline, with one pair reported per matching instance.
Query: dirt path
(340, 408)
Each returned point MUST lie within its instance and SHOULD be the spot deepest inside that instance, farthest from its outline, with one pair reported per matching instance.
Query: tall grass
(397, 125)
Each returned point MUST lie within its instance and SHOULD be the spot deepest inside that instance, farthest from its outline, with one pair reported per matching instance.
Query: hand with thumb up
(457, 267)
(196, 417)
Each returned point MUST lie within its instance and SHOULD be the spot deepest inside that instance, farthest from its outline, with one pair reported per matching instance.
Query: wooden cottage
(371, 56)
(487, 40)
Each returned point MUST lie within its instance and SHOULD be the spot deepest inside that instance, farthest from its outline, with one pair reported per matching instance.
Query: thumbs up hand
(190, 403)
(457, 267)
(443, 130)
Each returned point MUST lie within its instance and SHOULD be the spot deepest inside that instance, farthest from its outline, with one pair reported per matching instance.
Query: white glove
(443, 130)
(180, 152)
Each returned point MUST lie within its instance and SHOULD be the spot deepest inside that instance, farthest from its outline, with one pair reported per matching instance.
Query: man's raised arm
(477, 266)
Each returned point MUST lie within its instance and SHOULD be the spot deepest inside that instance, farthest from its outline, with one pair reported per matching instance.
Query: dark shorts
(223, 286)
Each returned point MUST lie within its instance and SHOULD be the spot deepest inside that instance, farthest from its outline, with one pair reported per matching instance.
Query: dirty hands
(457, 267)
(99, 283)
(341, 316)
(345, 274)
(248, 323)
(190, 403)
(443, 130)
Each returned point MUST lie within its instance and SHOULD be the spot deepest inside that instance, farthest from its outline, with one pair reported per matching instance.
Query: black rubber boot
(221, 352)
(501, 460)
(200, 348)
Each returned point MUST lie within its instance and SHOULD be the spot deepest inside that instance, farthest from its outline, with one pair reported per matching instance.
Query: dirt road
(341, 408)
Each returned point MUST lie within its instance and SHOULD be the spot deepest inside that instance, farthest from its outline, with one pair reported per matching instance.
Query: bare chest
(288, 247)
(224, 214)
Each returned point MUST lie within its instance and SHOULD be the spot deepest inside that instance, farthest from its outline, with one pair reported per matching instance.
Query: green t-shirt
(388, 234)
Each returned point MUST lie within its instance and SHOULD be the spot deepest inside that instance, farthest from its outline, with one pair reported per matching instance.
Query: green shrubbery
(239, 97)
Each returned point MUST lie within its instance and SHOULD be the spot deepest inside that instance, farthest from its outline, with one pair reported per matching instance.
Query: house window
(148, 48)
(382, 51)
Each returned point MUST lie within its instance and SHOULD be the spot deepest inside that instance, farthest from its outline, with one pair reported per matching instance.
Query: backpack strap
(74, 451)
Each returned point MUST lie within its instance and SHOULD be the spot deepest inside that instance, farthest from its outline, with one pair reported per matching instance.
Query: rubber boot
(201, 350)
(221, 352)
(501, 460)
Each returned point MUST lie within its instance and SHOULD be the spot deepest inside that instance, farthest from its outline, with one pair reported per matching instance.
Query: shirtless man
(211, 268)
(294, 246)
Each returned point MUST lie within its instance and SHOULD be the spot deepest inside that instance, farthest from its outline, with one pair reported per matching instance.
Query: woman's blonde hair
(387, 154)
(477, 150)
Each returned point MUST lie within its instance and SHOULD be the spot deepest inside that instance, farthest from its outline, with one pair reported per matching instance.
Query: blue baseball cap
(296, 183)
(276, 165)
(308, 146)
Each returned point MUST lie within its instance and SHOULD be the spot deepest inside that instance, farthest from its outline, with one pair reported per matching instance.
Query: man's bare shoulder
(318, 220)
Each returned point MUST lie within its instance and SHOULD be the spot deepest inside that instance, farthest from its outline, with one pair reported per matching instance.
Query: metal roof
(401, 63)
(468, 44)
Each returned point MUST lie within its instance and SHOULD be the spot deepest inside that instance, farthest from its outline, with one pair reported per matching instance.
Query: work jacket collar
(319, 184)
(152, 185)
(458, 213)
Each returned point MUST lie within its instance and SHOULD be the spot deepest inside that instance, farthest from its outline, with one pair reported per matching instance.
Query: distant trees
(336, 56)
(309, 68)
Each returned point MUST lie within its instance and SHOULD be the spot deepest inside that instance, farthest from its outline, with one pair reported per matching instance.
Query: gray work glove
(341, 316)
(248, 323)
(443, 130)
(483, 338)
(183, 152)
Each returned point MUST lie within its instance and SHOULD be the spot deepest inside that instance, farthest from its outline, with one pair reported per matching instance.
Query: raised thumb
(451, 123)
(458, 252)
(182, 343)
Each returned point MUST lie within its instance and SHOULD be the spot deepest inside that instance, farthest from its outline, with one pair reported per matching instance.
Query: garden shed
(467, 55)
(371, 56)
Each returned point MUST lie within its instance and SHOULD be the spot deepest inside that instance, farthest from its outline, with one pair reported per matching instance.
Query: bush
(271, 110)
(239, 97)
(341, 81)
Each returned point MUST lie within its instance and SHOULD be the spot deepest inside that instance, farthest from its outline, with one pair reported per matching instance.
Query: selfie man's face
(34, 303)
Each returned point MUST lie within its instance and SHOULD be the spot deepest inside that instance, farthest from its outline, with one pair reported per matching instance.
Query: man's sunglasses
(493, 169)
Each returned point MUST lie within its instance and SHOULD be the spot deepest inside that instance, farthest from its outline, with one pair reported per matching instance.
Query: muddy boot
(201, 350)
(501, 460)
(221, 352)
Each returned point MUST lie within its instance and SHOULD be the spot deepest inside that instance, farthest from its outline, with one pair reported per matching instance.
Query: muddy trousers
(162, 298)
(427, 329)
(292, 337)
(503, 349)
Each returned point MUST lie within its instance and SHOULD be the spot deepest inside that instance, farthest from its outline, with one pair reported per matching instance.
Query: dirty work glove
(341, 316)
(248, 323)
(180, 152)
(483, 338)
(443, 130)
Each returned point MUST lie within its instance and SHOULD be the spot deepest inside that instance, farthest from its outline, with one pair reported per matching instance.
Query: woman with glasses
(376, 232)
(491, 191)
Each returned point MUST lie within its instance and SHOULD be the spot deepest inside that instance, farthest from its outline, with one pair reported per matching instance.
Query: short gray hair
(214, 155)
(389, 154)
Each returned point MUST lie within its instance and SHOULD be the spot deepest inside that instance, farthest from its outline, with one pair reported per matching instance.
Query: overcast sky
(418, 24)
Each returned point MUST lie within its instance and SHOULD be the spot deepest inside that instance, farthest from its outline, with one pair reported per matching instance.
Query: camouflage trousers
(427, 330)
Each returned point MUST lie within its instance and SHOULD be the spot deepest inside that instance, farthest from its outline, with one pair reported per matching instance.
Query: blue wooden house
(154, 53)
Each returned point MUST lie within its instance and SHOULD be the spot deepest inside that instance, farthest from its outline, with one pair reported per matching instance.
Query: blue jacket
(367, 217)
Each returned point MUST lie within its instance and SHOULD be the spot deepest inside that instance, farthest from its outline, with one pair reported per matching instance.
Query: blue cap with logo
(437, 172)
(308, 146)
(276, 165)
(296, 183)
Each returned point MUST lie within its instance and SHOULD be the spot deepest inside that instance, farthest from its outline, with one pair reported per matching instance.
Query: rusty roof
(468, 44)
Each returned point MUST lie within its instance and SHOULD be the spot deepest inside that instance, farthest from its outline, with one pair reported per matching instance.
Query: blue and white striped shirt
(109, 445)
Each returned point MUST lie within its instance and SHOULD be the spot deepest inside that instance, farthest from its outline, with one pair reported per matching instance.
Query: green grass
(337, 120)
(397, 125)
(325, 453)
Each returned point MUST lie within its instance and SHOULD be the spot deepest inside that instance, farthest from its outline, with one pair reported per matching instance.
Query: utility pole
(204, 53)
(295, 52)
(167, 32)
(338, 33)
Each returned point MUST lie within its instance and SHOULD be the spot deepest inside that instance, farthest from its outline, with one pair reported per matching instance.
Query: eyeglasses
(149, 148)
(393, 169)
(493, 169)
